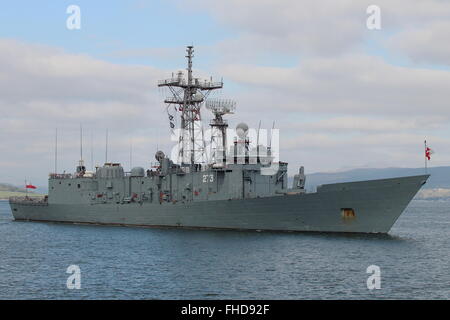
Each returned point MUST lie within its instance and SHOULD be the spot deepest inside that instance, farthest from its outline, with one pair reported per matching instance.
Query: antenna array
(188, 96)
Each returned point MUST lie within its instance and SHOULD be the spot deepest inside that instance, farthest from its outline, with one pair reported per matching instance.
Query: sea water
(143, 263)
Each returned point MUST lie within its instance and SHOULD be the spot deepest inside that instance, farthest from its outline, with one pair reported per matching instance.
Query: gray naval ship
(237, 188)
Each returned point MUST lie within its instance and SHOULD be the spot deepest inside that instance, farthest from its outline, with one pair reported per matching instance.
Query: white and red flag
(428, 151)
(29, 186)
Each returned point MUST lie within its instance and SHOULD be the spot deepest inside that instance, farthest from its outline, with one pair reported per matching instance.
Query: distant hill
(440, 176)
(8, 190)
(5, 195)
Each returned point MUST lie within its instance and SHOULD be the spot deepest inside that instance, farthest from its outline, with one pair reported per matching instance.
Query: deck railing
(30, 201)
(60, 176)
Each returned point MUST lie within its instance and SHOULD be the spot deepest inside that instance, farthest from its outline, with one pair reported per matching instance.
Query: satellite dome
(159, 155)
(241, 130)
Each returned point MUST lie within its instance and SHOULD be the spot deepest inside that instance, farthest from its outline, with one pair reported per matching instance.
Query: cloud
(169, 54)
(43, 72)
(355, 84)
(328, 152)
(361, 124)
(303, 64)
(286, 26)
(44, 88)
(429, 45)
(318, 28)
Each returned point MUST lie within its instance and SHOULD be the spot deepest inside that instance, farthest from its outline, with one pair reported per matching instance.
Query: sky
(342, 95)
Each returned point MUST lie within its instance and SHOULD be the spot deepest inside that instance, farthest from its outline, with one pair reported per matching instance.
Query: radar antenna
(81, 169)
(219, 126)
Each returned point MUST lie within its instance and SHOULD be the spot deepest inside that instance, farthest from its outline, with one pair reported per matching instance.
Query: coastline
(4, 195)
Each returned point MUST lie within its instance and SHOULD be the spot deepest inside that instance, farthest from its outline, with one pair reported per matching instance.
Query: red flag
(428, 153)
(30, 186)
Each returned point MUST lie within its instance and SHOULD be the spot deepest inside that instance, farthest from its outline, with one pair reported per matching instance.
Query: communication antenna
(81, 169)
(92, 150)
(131, 153)
(106, 147)
(257, 136)
(158, 138)
(81, 143)
(270, 141)
(56, 150)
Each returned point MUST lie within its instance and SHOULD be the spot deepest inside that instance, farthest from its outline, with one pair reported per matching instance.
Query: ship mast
(188, 97)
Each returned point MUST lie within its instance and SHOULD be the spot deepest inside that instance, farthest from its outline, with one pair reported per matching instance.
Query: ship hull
(376, 204)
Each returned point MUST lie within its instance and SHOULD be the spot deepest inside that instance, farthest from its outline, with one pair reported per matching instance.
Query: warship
(239, 186)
